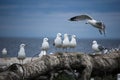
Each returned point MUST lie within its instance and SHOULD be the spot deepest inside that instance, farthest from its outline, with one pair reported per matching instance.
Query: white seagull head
(59, 34)
(45, 39)
(73, 36)
(65, 35)
(22, 45)
(94, 42)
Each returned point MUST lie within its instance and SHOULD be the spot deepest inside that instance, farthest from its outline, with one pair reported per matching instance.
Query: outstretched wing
(80, 17)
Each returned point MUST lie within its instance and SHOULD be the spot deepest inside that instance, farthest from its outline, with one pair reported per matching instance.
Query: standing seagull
(45, 45)
(4, 52)
(97, 24)
(58, 41)
(66, 42)
(73, 42)
(44, 48)
(96, 47)
(21, 53)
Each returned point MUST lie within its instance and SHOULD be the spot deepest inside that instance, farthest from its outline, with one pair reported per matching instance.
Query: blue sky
(45, 18)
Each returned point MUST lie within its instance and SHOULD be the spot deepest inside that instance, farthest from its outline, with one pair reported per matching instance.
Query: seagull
(45, 45)
(97, 24)
(43, 52)
(105, 51)
(96, 47)
(21, 53)
(73, 42)
(58, 41)
(66, 42)
(51, 53)
(4, 52)
(44, 48)
(117, 49)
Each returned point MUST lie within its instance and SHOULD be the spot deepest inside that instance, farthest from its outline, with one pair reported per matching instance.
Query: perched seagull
(21, 53)
(112, 50)
(51, 53)
(44, 48)
(105, 51)
(4, 52)
(43, 52)
(96, 47)
(97, 24)
(45, 45)
(73, 42)
(116, 49)
(66, 42)
(58, 41)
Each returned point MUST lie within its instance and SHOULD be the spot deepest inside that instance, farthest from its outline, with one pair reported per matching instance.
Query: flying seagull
(97, 24)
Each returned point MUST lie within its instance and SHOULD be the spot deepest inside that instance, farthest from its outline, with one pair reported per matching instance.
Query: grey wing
(101, 47)
(99, 23)
(80, 17)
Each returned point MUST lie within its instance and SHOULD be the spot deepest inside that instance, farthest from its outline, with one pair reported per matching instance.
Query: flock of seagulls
(60, 42)
(66, 42)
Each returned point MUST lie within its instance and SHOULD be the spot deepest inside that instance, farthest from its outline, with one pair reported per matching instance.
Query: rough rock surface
(87, 65)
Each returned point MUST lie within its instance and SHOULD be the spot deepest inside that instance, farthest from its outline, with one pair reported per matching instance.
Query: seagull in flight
(97, 24)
